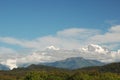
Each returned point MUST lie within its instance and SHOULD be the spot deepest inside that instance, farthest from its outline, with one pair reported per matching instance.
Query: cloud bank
(67, 39)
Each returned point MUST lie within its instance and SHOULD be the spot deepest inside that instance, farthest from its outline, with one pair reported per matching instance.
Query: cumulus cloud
(11, 63)
(7, 57)
(112, 37)
(33, 58)
(13, 59)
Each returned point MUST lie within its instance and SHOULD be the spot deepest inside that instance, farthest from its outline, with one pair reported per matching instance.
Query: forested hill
(112, 67)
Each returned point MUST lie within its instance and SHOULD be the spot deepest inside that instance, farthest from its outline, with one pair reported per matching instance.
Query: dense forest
(40, 72)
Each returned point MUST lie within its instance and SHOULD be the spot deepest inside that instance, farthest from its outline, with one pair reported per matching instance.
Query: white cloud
(7, 57)
(111, 37)
(33, 58)
(77, 33)
(11, 63)
(19, 42)
(115, 29)
(4, 50)
(6, 53)
(69, 38)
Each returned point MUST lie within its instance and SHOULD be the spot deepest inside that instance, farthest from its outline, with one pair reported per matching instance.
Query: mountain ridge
(74, 63)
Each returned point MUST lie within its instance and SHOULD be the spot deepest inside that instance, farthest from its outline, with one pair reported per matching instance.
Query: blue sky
(34, 18)
(31, 20)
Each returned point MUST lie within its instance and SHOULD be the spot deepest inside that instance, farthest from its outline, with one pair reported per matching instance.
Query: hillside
(112, 67)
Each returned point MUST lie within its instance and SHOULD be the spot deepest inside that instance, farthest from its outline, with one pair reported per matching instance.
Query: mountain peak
(74, 63)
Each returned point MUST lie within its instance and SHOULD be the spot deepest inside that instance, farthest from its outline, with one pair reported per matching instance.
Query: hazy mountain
(3, 67)
(74, 63)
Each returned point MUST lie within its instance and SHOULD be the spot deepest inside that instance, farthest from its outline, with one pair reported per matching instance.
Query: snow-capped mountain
(52, 54)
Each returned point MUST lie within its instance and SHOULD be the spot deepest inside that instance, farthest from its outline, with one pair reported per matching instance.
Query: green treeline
(71, 76)
(63, 75)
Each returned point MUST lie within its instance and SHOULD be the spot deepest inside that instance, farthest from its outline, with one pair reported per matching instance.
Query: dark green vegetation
(113, 68)
(40, 72)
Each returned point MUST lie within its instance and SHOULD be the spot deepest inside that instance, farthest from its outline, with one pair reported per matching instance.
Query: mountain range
(74, 63)
(69, 63)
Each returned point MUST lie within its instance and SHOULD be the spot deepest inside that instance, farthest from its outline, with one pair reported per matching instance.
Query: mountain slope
(113, 67)
(74, 63)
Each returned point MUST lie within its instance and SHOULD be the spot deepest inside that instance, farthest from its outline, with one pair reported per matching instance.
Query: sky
(69, 24)
(27, 26)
